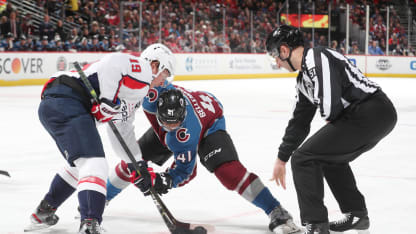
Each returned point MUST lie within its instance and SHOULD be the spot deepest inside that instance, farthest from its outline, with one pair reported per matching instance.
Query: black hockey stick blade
(4, 173)
(196, 230)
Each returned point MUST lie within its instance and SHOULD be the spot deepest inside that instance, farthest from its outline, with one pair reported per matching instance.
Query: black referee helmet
(283, 35)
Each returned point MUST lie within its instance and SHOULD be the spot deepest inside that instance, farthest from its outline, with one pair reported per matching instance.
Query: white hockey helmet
(161, 53)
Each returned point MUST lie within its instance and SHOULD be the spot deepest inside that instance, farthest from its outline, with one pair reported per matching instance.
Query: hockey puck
(199, 230)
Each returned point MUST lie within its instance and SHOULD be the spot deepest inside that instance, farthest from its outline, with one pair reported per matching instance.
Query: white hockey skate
(43, 217)
(281, 222)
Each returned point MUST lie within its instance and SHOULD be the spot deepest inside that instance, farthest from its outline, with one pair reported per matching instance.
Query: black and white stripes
(332, 82)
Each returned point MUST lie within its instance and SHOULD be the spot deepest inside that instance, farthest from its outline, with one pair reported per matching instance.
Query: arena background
(219, 46)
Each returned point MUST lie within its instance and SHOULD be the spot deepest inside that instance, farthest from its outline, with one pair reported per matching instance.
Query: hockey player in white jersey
(69, 115)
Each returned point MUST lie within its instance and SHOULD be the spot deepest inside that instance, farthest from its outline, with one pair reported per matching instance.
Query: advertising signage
(306, 20)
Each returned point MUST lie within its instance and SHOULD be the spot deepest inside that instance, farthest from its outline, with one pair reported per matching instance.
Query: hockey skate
(43, 217)
(90, 226)
(281, 221)
(351, 221)
(317, 228)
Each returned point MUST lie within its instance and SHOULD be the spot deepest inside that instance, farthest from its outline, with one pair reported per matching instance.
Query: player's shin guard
(118, 180)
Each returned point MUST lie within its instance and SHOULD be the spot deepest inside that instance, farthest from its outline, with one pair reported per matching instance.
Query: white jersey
(126, 78)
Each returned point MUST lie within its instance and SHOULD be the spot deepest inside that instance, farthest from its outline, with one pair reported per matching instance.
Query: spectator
(4, 27)
(94, 29)
(9, 9)
(95, 45)
(334, 45)
(354, 48)
(322, 41)
(13, 25)
(104, 44)
(374, 49)
(43, 45)
(46, 28)
(22, 44)
(58, 45)
(26, 26)
(84, 45)
(242, 48)
(112, 17)
(102, 34)
(7, 44)
(74, 38)
(59, 30)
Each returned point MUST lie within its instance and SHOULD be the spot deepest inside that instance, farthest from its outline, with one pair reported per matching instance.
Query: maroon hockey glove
(163, 183)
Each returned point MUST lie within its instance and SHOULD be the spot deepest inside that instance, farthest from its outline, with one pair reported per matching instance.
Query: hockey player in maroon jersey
(187, 123)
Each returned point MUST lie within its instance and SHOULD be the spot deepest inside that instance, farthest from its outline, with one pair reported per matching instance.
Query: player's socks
(91, 204)
(59, 191)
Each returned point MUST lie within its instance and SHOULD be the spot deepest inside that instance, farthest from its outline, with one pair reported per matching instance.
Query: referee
(358, 115)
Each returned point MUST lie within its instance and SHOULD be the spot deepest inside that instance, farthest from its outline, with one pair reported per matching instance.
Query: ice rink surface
(256, 111)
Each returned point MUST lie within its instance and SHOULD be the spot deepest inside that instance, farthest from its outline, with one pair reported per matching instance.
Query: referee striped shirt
(329, 81)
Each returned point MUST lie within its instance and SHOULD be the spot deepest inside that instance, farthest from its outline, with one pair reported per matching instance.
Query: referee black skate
(358, 115)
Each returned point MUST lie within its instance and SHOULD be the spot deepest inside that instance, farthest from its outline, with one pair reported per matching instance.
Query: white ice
(256, 111)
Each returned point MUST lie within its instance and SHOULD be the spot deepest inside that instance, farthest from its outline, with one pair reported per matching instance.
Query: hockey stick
(4, 173)
(174, 225)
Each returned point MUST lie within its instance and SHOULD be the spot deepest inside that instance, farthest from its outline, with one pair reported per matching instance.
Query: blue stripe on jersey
(266, 201)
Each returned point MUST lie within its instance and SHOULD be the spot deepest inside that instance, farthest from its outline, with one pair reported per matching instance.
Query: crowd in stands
(97, 26)
(398, 38)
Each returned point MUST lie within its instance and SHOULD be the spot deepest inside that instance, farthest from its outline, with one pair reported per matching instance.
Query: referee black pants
(328, 153)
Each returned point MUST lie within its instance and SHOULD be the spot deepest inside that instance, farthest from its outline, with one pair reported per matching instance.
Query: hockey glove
(163, 183)
(145, 179)
(105, 110)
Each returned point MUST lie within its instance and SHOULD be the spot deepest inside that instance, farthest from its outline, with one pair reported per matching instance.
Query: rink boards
(35, 68)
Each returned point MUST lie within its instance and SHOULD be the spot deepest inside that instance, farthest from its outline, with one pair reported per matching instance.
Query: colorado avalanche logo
(182, 135)
(152, 95)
